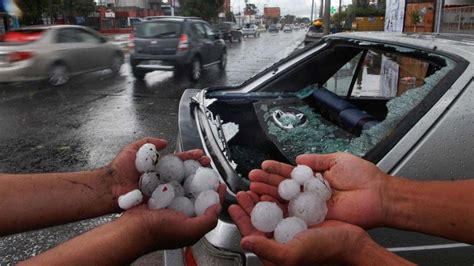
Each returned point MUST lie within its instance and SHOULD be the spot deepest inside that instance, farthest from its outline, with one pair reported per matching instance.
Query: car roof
(461, 45)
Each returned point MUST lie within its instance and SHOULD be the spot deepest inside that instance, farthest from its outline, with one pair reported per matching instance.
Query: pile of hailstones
(307, 193)
(169, 182)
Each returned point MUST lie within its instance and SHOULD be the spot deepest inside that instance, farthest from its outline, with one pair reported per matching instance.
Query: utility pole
(327, 17)
(321, 9)
(312, 10)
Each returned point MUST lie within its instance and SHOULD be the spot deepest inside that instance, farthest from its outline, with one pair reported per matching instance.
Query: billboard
(394, 15)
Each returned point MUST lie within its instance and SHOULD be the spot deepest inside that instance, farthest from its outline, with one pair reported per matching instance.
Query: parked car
(229, 31)
(176, 44)
(273, 28)
(403, 102)
(55, 53)
(287, 28)
(251, 30)
(314, 34)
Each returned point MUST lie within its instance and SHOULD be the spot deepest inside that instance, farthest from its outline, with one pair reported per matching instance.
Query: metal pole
(327, 17)
(459, 20)
(312, 10)
(321, 9)
(439, 13)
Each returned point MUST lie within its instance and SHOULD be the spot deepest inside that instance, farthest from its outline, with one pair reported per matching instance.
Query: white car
(251, 30)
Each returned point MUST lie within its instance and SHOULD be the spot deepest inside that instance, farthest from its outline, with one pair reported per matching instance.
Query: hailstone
(204, 179)
(288, 189)
(161, 197)
(182, 204)
(205, 200)
(149, 182)
(187, 185)
(318, 186)
(265, 216)
(178, 189)
(131, 199)
(288, 228)
(146, 158)
(308, 206)
(190, 167)
(301, 173)
(171, 167)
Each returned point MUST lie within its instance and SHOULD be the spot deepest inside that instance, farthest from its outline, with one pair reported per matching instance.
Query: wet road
(85, 123)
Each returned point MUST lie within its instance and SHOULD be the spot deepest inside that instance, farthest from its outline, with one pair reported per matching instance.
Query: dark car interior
(302, 111)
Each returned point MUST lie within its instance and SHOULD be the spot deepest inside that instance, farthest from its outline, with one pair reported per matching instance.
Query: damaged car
(403, 102)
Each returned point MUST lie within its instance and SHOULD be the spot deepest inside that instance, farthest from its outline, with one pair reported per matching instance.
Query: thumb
(264, 248)
(318, 162)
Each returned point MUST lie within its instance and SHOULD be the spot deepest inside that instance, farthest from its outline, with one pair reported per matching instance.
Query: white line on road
(429, 247)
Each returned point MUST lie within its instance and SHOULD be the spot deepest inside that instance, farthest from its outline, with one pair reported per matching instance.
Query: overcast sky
(299, 8)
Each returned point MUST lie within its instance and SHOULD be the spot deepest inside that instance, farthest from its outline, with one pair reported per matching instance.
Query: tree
(35, 10)
(206, 9)
(251, 9)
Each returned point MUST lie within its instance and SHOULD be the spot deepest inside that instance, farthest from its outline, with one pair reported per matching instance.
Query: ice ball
(190, 167)
(187, 185)
(131, 199)
(308, 206)
(170, 167)
(288, 189)
(178, 189)
(182, 204)
(288, 228)
(301, 173)
(265, 216)
(149, 182)
(204, 179)
(205, 200)
(317, 185)
(161, 197)
(146, 158)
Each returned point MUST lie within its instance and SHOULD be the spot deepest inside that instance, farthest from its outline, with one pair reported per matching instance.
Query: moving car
(403, 102)
(287, 28)
(314, 34)
(54, 53)
(251, 30)
(229, 31)
(176, 44)
(273, 28)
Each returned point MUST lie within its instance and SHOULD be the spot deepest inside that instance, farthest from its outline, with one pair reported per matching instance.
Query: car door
(98, 55)
(69, 50)
(214, 44)
(201, 42)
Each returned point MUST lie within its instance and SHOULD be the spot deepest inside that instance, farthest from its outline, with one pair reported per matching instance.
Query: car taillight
(19, 56)
(131, 42)
(183, 44)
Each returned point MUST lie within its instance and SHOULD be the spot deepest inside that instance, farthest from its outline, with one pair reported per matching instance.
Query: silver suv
(180, 44)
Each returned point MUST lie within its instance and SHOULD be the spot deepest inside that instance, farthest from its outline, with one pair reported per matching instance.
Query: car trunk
(157, 37)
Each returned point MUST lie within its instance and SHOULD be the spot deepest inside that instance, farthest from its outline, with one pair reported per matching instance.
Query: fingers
(265, 248)
(265, 189)
(265, 177)
(159, 143)
(221, 190)
(242, 220)
(278, 168)
(246, 201)
(318, 162)
(200, 225)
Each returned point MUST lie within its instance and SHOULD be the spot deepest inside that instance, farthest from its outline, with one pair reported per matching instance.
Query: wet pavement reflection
(83, 124)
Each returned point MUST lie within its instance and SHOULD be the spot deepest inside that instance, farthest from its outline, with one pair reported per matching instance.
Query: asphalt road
(83, 124)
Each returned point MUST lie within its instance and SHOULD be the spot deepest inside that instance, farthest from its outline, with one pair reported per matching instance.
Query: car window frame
(206, 27)
(198, 24)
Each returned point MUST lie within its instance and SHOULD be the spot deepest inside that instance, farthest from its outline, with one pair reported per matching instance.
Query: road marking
(429, 247)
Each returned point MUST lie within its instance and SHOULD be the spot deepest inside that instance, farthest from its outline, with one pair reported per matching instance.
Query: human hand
(328, 242)
(123, 170)
(169, 229)
(358, 186)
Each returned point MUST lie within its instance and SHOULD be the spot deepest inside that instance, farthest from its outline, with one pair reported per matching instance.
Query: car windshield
(158, 29)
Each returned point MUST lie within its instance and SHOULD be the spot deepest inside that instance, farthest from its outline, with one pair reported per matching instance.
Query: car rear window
(158, 29)
(23, 35)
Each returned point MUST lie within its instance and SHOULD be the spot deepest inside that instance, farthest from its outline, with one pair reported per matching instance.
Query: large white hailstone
(288, 189)
(161, 197)
(265, 216)
(182, 204)
(190, 167)
(149, 182)
(178, 189)
(170, 167)
(204, 179)
(317, 185)
(187, 185)
(131, 199)
(146, 158)
(308, 206)
(288, 228)
(205, 200)
(301, 173)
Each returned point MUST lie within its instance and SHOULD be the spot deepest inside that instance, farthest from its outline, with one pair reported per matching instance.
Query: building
(271, 12)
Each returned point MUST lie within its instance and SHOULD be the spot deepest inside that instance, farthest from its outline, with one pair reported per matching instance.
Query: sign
(389, 73)
(333, 10)
(394, 15)
(109, 13)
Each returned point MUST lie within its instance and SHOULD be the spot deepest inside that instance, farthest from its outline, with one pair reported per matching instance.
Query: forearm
(441, 208)
(32, 201)
(117, 243)
(370, 253)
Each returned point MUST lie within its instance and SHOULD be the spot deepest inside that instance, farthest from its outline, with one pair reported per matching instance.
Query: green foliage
(415, 17)
(34, 10)
(251, 8)
(205, 9)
